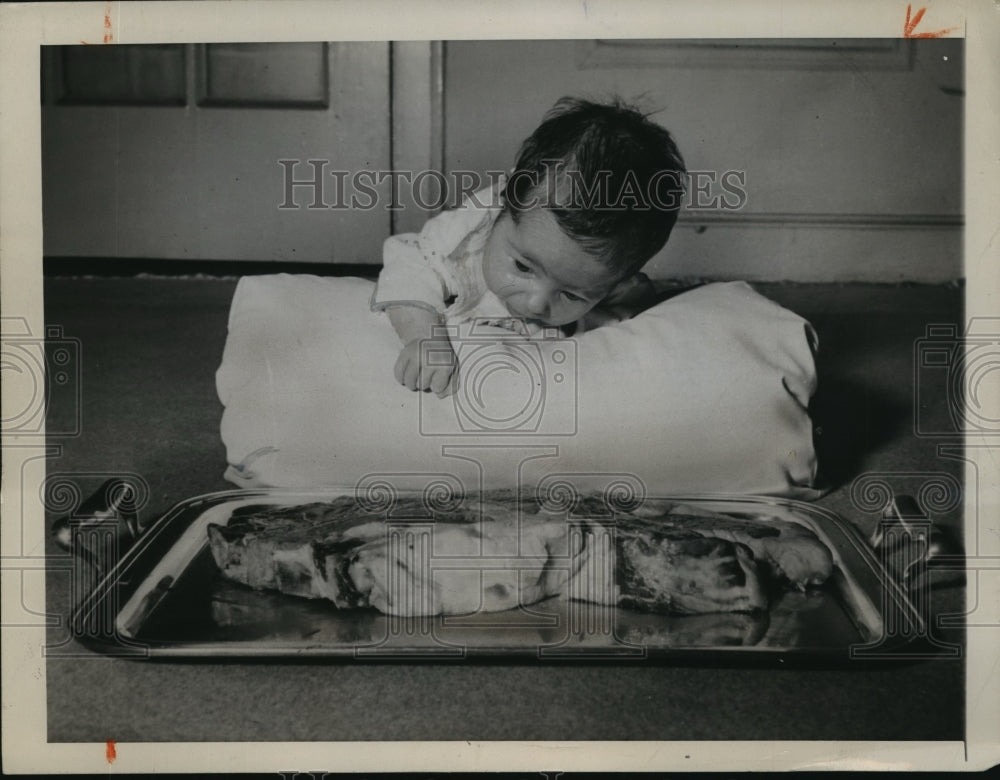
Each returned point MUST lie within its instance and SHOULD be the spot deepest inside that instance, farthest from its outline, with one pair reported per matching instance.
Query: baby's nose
(538, 306)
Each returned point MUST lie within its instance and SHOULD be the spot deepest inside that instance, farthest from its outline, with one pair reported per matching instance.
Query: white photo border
(24, 28)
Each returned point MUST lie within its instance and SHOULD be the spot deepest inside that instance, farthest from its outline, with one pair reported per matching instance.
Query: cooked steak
(493, 554)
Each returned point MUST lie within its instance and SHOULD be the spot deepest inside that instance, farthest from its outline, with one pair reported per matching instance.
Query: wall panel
(852, 155)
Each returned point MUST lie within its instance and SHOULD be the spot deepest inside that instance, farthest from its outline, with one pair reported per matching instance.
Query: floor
(148, 349)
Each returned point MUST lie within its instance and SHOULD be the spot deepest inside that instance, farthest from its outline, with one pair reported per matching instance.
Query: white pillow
(705, 392)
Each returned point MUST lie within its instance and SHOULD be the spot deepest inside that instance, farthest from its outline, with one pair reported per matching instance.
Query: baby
(593, 196)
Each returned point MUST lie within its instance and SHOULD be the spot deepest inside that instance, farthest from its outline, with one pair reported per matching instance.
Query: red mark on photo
(911, 24)
(108, 33)
(110, 753)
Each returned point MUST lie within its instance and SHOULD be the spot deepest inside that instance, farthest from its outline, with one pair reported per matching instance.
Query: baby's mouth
(530, 320)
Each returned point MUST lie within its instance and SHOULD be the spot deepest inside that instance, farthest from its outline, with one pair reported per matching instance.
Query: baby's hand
(439, 372)
(602, 315)
(629, 297)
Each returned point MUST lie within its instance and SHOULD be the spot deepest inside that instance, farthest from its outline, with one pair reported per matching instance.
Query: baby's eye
(521, 266)
(573, 298)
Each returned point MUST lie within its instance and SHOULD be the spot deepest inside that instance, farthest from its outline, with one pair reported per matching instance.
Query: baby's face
(540, 273)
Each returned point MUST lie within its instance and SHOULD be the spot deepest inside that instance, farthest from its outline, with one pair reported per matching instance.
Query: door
(192, 152)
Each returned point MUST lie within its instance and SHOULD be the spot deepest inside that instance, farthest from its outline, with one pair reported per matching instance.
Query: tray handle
(909, 543)
(103, 527)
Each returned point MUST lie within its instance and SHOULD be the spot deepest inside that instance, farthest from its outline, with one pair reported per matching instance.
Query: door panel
(122, 178)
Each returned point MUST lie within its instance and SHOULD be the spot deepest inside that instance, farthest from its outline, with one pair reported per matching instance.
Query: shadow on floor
(850, 420)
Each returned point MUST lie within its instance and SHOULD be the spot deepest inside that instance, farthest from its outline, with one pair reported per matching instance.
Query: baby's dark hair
(613, 179)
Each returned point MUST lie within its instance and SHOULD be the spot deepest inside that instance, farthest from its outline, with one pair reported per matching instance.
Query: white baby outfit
(441, 268)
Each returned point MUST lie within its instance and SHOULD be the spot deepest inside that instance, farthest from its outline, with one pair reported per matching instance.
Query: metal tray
(165, 598)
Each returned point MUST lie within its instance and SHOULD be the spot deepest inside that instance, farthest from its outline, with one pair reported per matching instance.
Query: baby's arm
(414, 288)
(415, 327)
(412, 291)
